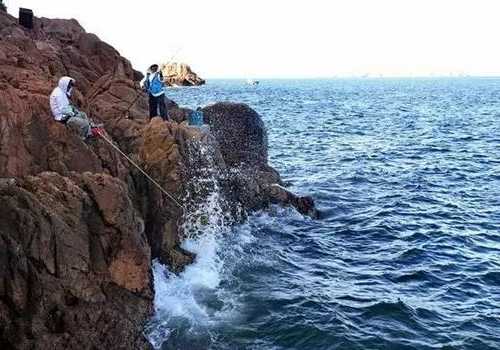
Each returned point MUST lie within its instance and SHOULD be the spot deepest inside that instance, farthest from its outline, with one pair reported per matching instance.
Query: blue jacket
(155, 86)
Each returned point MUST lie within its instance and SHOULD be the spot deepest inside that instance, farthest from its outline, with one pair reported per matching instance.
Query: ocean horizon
(405, 254)
(356, 77)
(250, 176)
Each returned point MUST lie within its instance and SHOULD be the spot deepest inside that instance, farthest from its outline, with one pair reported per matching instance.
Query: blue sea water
(407, 253)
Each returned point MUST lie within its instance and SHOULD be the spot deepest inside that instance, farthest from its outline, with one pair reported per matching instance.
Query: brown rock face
(31, 62)
(162, 154)
(179, 114)
(75, 264)
(180, 74)
(79, 224)
(75, 268)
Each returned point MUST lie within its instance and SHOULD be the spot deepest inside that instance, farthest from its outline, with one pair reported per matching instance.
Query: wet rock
(279, 195)
(242, 137)
(240, 132)
(164, 155)
(79, 224)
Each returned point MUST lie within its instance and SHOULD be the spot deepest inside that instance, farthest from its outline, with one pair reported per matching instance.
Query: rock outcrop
(242, 139)
(180, 74)
(75, 269)
(78, 224)
(76, 263)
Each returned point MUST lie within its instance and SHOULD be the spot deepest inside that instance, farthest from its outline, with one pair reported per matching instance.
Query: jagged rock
(110, 97)
(164, 155)
(180, 74)
(179, 114)
(240, 132)
(75, 264)
(30, 141)
(279, 195)
(170, 104)
(78, 223)
(242, 137)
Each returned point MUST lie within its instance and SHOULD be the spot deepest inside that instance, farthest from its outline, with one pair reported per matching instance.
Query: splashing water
(188, 304)
(406, 255)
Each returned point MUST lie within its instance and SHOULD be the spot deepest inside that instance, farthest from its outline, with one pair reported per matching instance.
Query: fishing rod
(176, 52)
(127, 111)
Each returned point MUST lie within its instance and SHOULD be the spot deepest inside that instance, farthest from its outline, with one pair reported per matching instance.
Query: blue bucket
(196, 118)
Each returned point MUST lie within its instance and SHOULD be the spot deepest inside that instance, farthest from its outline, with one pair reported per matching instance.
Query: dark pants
(155, 104)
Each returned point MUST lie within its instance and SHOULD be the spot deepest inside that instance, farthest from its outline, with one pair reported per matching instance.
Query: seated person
(64, 112)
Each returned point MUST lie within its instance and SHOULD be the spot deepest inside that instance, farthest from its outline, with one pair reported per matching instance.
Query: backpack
(154, 86)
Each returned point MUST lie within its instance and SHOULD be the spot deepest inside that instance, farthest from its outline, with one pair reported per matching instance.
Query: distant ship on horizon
(252, 82)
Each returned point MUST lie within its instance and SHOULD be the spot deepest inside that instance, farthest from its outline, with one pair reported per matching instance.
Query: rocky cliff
(180, 74)
(78, 224)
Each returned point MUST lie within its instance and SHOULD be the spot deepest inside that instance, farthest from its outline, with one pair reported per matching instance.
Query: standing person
(64, 112)
(154, 84)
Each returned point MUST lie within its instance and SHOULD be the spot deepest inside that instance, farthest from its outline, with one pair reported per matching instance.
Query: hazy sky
(295, 38)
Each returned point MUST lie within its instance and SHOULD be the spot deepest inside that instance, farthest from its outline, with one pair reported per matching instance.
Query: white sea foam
(194, 299)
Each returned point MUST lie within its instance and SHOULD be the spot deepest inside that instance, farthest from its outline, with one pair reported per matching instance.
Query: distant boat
(252, 82)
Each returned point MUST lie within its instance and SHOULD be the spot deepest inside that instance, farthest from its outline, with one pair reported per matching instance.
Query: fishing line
(140, 169)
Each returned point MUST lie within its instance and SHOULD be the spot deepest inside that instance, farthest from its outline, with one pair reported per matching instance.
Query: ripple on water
(406, 255)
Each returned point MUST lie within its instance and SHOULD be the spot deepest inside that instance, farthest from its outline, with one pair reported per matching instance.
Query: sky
(294, 38)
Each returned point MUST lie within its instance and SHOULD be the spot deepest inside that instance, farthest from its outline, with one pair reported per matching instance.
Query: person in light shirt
(66, 113)
(154, 84)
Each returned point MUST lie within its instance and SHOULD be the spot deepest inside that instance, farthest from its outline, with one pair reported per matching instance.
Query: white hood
(59, 102)
(63, 84)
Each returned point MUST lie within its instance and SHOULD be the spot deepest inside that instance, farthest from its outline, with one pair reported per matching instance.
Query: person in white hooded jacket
(64, 112)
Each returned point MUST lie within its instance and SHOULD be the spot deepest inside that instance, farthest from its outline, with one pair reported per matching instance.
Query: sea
(406, 254)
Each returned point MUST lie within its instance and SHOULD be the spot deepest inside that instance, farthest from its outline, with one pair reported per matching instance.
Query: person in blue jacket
(154, 84)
